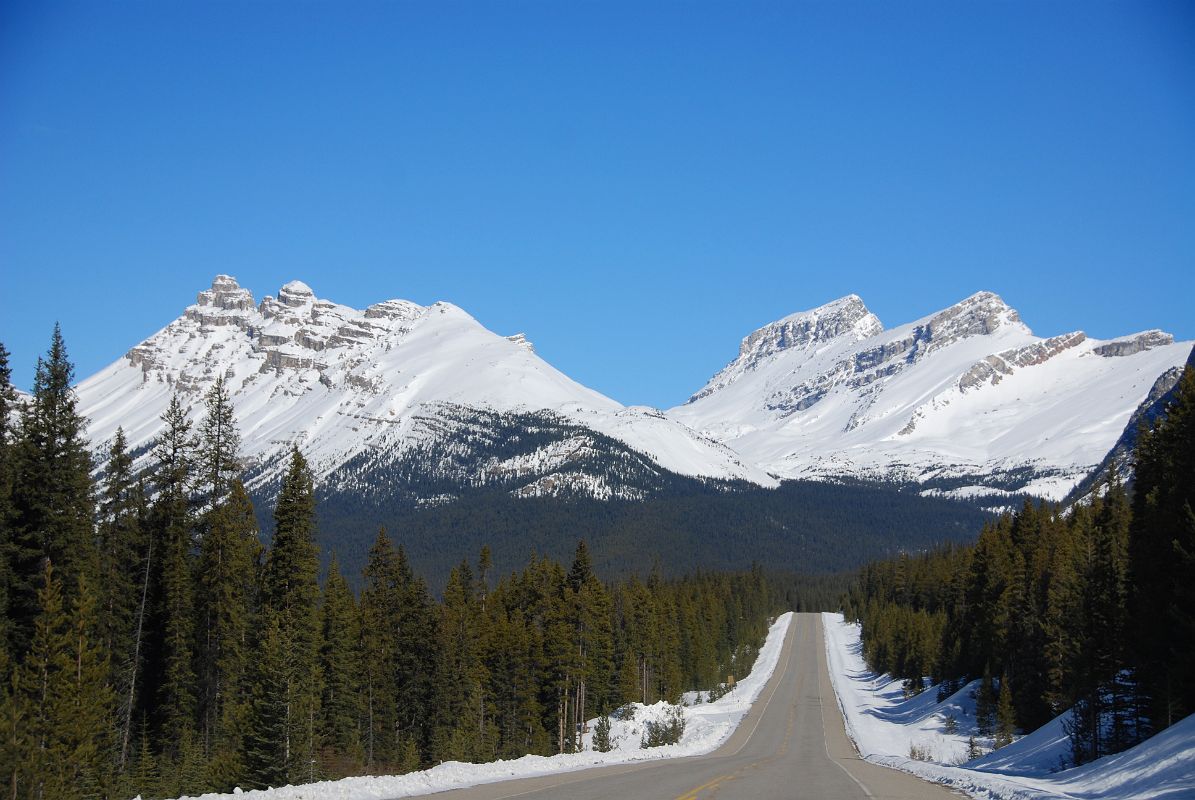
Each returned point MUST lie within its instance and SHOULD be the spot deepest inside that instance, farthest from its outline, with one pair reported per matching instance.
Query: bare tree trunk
(127, 722)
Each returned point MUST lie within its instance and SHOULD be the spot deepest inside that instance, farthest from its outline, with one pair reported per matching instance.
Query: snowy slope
(886, 727)
(967, 400)
(338, 382)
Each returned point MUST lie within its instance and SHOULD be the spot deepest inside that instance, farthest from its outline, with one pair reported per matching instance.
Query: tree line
(1090, 609)
(152, 644)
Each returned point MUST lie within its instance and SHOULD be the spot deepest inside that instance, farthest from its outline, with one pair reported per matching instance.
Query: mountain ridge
(831, 393)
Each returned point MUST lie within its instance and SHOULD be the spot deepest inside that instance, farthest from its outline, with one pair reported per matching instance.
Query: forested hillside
(688, 526)
(153, 645)
(1091, 609)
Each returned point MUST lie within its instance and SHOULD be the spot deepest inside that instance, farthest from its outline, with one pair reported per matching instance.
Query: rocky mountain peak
(226, 294)
(847, 316)
(295, 293)
(980, 314)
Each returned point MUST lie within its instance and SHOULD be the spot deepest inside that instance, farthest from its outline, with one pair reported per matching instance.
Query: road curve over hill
(791, 746)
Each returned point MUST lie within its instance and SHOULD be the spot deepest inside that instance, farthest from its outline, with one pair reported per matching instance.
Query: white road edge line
(822, 657)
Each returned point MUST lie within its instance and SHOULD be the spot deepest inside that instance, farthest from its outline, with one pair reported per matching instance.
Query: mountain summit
(395, 383)
(966, 401)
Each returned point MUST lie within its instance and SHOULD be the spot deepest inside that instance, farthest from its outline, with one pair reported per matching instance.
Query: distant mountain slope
(1119, 459)
(382, 384)
(966, 401)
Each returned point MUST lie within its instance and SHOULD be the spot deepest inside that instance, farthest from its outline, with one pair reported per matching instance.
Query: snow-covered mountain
(966, 401)
(365, 392)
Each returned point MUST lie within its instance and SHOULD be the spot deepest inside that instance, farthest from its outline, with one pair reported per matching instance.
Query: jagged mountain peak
(846, 316)
(980, 314)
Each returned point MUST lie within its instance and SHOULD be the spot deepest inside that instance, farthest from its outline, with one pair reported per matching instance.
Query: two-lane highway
(791, 746)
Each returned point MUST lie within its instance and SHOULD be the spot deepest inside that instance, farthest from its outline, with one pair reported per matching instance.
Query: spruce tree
(290, 591)
(219, 446)
(228, 563)
(7, 404)
(122, 552)
(52, 500)
(1006, 724)
(340, 709)
(266, 756)
(601, 735)
(172, 692)
(66, 696)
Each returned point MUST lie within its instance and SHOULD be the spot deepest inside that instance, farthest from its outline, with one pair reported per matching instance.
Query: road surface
(791, 746)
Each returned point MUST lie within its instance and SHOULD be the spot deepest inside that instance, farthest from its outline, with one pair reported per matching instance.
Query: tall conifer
(290, 591)
(52, 499)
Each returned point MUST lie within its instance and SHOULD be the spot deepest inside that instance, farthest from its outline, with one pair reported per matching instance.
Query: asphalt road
(791, 746)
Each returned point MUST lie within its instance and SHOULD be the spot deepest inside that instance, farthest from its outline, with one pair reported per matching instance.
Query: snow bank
(707, 725)
(886, 728)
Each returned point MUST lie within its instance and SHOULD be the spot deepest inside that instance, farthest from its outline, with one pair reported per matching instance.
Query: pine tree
(340, 665)
(171, 661)
(219, 446)
(985, 705)
(52, 500)
(464, 730)
(290, 591)
(122, 546)
(400, 656)
(67, 697)
(1006, 725)
(228, 562)
(601, 735)
(7, 402)
(266, 744)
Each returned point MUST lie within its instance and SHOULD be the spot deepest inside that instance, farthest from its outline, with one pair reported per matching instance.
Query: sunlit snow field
(886, 727)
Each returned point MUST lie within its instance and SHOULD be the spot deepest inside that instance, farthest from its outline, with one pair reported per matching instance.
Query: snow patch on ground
(707, 725)
(886, 727)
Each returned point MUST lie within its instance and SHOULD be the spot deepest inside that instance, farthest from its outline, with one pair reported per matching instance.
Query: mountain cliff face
(966, 401)
(367, 390)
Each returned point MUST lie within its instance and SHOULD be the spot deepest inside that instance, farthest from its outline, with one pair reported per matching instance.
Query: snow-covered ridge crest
(964, 398)
(338, 381)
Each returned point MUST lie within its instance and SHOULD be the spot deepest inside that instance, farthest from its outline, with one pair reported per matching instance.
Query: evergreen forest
(1091, 608)
(151, 644)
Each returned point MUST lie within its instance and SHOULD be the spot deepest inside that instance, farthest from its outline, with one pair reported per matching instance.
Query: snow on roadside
(707, 725)
(886, 727)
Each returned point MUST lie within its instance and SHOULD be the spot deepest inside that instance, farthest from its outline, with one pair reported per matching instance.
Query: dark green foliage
(290, 599)
(1006, 720)
(340, 664)
(219, 443)
(1162, 560)
(229, 557)
(266, 746)
(169, 690)
(689, 525)
(601, 735)
(52, 502)
(63, 697)
(7, 575)
(665, 731)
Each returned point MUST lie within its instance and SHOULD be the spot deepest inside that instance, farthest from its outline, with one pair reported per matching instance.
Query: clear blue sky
(636, 186)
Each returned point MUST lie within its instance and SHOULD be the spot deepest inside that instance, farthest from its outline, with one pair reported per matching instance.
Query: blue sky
(636, 186)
